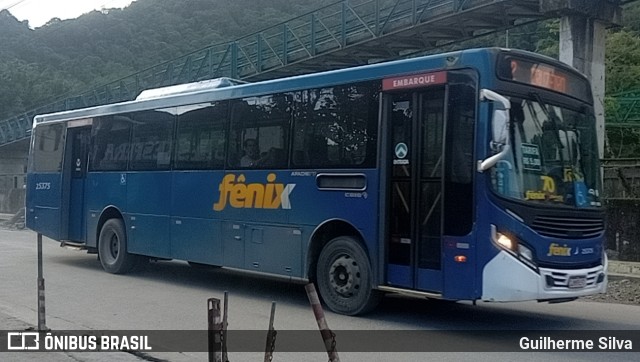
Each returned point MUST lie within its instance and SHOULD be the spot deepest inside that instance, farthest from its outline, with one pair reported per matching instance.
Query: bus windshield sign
(547, 77)
(544, 76)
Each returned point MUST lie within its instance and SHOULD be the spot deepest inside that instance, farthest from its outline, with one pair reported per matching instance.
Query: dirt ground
(620, 290)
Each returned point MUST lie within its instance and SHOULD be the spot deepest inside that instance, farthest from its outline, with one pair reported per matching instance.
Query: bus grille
(568, 227)
(558, 279)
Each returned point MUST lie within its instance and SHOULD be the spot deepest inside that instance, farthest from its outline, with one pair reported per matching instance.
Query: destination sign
(544, 75)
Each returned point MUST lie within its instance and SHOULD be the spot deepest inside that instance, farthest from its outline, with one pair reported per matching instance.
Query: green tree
(622, 62)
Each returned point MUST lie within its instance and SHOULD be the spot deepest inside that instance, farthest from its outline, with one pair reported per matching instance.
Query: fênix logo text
(236, 192)
(559, 250)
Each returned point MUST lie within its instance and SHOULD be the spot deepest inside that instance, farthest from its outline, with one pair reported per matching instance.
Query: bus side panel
(273, 249)
(197, 240)
(103, 189)
(312, 205)
(44, 204)
(217, 219)
(196, 231)
(257, 233)
(459, 276)
(148, 213)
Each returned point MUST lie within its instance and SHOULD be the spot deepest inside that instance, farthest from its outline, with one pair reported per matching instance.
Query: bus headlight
(502, 240)
(511, 244)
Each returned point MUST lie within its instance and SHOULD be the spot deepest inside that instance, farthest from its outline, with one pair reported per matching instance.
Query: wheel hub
(114, 246)
(345, 275)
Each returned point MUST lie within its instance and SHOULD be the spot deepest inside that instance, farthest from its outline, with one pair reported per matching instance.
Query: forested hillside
(63, 58)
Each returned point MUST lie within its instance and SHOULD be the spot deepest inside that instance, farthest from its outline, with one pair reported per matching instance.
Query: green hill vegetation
(65, 57)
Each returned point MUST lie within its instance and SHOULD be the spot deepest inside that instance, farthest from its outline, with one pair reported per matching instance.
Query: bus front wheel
(344, 277)
(112, 248)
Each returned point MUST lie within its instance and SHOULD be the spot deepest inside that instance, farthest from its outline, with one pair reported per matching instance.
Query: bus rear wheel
(112, 248)
(344, 277)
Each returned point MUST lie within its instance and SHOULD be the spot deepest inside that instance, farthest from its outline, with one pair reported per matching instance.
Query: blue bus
(471, 175)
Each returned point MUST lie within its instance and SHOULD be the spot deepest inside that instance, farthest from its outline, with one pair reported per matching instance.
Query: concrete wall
(623, 229)
(13, 166)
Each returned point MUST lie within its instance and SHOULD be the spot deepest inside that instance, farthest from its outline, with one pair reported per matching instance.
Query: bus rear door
(74, 175)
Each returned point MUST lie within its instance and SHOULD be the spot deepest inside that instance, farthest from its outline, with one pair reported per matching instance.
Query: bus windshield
(553, 158)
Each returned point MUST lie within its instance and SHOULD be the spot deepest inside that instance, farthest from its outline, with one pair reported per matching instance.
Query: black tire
(344, 277)
(112, 248)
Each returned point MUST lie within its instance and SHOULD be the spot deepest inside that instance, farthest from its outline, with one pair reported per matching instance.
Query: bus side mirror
(499, 128)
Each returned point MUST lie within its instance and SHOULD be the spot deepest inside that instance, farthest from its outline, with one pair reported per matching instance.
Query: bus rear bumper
(505, 279)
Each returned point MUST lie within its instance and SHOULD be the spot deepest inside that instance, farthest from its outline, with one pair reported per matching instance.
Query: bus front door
(415, 121)
(75, 171)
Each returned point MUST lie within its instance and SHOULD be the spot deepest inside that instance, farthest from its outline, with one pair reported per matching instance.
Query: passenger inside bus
(251, 153)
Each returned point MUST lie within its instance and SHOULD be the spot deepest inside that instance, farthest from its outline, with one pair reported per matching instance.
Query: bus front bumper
(505, 279)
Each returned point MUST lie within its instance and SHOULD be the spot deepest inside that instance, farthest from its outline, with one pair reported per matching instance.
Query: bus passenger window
(259, 132)
(336, 126)
(152, 139)
(201, 136)
(47, 153)
(276, 157)
(110, 143)
(300, 157)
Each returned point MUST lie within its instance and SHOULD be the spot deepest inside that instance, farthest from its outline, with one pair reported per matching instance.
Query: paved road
(172, 296)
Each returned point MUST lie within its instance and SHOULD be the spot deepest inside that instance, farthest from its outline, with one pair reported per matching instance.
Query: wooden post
(215, 330)
(271, 336)
(225, 356)
(327, 335)
(42, 318)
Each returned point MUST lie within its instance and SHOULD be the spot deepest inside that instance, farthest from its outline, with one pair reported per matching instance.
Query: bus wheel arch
(108, 213)
(112, 243)
(339, 265)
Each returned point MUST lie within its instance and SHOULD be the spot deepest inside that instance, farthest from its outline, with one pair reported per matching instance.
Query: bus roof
(204, 85)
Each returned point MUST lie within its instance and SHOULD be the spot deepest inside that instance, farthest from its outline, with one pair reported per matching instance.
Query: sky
(38, 12)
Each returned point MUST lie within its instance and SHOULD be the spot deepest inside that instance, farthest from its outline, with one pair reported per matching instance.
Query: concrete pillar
(582, 45)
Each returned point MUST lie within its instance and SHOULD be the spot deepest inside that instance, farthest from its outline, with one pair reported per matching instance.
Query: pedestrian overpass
(346, 33)
(343, 34)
